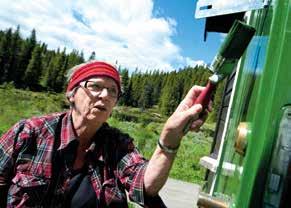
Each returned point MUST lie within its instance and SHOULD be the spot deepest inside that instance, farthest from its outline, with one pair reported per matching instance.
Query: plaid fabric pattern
(28, 153)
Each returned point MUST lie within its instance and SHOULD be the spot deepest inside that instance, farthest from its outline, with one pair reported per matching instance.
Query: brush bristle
(237, 40)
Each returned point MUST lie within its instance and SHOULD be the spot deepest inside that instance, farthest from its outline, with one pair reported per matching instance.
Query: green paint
(262, 89)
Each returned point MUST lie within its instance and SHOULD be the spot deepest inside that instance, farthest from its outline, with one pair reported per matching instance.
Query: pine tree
(145, 100)
(171, 94)
(46, 60)
(128, 95)
(61, 66)
(15, 47)
(5, 55)
(55, 75)
(24, 57)
(81, 57)
(33, 71)
(125, 99)
(157, 81)
(74, 59)
(137, 87)
(47, 80)
(92, 56)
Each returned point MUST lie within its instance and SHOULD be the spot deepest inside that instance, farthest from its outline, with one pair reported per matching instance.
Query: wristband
(168, 149)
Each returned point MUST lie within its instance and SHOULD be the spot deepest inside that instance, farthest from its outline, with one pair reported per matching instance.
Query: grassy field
(142, 125)
(18, 104)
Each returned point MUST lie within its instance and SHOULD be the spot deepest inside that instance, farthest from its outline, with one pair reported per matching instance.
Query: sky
(143, 34)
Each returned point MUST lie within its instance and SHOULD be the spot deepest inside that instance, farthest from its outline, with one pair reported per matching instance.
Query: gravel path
(179, 194)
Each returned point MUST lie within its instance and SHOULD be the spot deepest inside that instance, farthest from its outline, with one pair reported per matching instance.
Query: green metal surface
(263, 88)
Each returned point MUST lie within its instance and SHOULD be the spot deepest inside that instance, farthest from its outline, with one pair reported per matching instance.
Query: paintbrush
(232, 48)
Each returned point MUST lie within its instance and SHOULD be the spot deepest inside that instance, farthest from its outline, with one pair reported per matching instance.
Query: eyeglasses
(97, 88)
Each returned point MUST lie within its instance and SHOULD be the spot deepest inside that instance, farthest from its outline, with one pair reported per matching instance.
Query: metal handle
(207, 201)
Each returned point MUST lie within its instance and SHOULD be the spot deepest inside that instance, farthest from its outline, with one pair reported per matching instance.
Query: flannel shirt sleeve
(10, 144)
(131, 170)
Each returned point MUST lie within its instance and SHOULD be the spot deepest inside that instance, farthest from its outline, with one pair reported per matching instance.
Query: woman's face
(95, 98)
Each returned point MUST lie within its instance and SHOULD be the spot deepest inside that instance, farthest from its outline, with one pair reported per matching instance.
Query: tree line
(165, 89)
(29, 64)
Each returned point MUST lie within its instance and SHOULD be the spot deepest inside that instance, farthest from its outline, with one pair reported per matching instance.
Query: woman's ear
(72, 99)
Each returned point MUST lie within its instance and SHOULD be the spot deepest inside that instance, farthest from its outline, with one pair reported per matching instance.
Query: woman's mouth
(100, 108)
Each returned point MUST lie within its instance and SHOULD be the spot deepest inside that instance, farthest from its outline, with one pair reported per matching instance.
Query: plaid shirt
(33, 154)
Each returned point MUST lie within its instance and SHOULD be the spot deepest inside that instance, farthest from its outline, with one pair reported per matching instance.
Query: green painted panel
(263, 88)
(251, 69)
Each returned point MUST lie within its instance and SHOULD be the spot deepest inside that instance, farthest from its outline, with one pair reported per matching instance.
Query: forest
(27, 63)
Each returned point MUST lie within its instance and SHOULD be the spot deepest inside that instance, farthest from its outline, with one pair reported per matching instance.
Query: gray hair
(69, 75)
(72, 70)
(70, 94)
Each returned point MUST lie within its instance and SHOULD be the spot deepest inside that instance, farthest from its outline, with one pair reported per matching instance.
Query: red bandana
(96, 68)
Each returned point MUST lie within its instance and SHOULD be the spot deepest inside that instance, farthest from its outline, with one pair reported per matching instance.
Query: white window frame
(209, 8)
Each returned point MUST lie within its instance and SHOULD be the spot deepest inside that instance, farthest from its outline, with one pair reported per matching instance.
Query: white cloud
(188, 62)
(191, 62)
(126, 30)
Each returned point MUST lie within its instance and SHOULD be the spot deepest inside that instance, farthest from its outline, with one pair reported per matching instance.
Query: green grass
(19, 104)
(146, 133)
(142, 125)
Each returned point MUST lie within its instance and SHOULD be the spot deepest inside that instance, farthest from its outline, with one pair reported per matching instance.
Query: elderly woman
(75, 159)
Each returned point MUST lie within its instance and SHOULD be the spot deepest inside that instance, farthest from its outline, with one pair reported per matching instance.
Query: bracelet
(167, 149)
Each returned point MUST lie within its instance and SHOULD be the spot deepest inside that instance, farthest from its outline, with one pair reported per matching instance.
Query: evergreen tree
(125, 99)
(33, 71)
(24, 57)
(92, 56)
(15, 50)
(54, 78)
(171, 95)
(46, 60)
(61, 66)
(5, 55)
(74, 59)
(44, 48)
(81, 57)
(157, 81)
(128, 95)
(137, 87)
(145, 100)
(48, 78)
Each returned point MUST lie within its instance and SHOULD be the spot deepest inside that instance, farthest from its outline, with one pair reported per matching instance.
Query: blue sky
(189, 31)
(144, 34)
